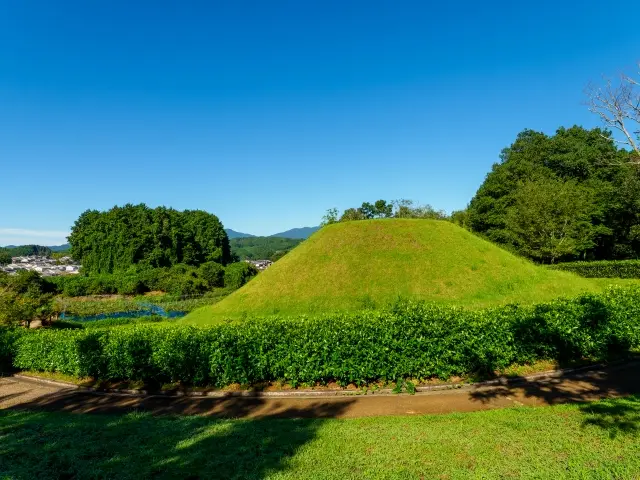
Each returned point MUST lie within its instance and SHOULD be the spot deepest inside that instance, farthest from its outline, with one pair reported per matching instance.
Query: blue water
(147, 310)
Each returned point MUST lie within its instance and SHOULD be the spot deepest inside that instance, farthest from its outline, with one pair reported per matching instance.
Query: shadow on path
(74, 401)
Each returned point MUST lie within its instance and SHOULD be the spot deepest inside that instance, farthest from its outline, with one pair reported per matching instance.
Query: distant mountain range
(53, 248)
(234, 234)
(303, 232)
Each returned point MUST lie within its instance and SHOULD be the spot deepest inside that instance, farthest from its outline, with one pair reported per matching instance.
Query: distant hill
(59, 248)
(370, 263)
(262, 248)
(303, 232)
(296, 233)
(234, 234)
(26, 250)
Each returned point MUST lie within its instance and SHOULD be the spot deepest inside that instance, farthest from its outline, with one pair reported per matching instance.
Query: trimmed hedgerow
(411, 340)
(8, 340)
(602, 269)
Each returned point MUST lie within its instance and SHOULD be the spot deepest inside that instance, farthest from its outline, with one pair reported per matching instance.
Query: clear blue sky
(268, 113)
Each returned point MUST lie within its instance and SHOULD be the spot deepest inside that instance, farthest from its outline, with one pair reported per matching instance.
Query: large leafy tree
(114, 240)
(587, 158)
(552, 219)
(5, 257)
(25, 297)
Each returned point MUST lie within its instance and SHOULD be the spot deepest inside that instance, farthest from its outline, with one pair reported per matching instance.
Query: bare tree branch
(618, 106)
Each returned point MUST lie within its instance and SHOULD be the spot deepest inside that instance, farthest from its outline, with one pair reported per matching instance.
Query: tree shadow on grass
(616, 416)
(617, 387)
(151, 441)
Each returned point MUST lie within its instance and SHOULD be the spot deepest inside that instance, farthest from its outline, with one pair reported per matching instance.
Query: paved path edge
(505, 381)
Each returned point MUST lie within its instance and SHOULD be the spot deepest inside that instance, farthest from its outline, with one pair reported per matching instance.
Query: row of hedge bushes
(177, 280)
(602, 269)
(411, 340)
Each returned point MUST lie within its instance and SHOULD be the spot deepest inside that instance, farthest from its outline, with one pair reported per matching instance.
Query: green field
(600, 440)
(368, 264)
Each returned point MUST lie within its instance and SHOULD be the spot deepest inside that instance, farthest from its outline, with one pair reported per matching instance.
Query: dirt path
(578, 387)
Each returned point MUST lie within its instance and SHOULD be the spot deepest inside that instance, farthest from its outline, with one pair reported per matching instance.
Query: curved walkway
(582, 386)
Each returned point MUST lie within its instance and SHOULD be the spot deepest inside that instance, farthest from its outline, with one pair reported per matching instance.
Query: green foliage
(552, 219)
(178, 280)
(603, 268)
(330, 217)
(26, 251)
(262, 248)
(5, 257)
(383, 209)
(8, 340)
(25, 297)
(113, 241)
(536, 180)
(237, 274)
(212, 273)
(411, 340)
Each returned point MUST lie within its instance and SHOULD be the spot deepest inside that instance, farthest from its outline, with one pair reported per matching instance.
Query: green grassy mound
(368, 264)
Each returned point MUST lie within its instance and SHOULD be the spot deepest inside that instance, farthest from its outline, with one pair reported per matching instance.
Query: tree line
(7, 253)
(111, 241)
(384, 209)
(569, 196)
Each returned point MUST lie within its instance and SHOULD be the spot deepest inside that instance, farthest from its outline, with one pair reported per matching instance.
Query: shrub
(237, 274)
(410, 340)
(8, 339)
(602, 269)
(212, 273)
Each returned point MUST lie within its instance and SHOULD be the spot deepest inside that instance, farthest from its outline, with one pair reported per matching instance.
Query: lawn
(599, 440)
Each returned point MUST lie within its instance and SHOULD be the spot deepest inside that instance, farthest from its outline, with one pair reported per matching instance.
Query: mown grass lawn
(600, 440)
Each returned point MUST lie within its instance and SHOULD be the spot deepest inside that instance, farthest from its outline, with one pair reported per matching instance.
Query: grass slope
(367, 264)
(599, 440)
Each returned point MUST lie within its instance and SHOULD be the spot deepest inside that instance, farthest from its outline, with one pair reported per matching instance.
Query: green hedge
(411, 340)
(602, 269)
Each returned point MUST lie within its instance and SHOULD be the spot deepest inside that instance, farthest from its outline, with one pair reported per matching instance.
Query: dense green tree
(25, 297)
(330, 217)
(552, 220)
(114, 240)
(26, 250)
(409, 209)
(5, 257)
(351, 214)
(384, 209)
(591, 160)
(212, 273)
(460, 218)
(237, 274)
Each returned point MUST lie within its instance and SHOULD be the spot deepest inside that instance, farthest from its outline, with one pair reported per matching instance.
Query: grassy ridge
(368, 264)
(599, 440)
